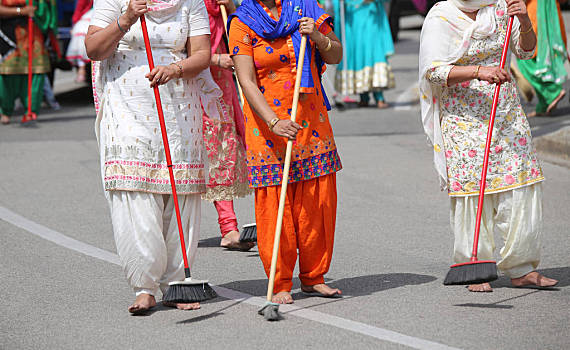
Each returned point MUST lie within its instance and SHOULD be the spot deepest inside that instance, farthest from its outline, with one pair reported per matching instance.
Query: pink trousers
(226, 217)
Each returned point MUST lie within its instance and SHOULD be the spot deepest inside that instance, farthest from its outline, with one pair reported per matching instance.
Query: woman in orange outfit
(264, 41)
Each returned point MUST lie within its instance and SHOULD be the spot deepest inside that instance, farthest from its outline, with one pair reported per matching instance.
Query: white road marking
(316, 316)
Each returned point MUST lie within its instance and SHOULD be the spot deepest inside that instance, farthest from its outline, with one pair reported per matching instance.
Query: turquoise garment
(369, 44)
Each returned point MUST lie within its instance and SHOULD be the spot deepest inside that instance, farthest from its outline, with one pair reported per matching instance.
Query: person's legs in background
(379, 98)
(229, 227)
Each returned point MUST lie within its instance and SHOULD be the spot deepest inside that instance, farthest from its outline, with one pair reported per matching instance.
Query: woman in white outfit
(460, 48)
(133, 165)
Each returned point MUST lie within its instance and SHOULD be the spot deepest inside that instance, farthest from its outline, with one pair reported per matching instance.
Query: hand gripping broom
(30, 116)
(481, 271)
(271, 310)
(188, 290)
(249, 231)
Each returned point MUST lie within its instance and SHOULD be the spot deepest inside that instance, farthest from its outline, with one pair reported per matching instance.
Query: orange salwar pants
(309, 223)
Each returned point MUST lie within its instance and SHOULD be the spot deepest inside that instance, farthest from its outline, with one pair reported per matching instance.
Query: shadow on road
(496, 304)
(213, 314)
(351, 287)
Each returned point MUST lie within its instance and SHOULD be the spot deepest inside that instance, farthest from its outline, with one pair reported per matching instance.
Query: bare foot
(322, 290)
(231, 241)
(4, 119)
(382, 105)
(142, 303)
(480, 288)
(533, 279)
(80, 77)
(182, 306)
(552, 106)
(282, 298)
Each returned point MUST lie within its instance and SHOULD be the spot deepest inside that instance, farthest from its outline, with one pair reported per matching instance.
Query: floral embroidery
(465, 112)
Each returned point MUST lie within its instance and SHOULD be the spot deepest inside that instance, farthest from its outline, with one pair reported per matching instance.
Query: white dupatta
(446, 35)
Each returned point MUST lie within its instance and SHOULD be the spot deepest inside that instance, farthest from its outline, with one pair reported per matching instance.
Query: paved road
(393, 248)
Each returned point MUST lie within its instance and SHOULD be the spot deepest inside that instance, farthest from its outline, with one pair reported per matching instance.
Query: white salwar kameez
(455, 120)
(133, 164)
(147, 239)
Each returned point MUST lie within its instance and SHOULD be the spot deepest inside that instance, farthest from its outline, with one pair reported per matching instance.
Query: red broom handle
(166, 147)
(30, 54)
(483, 182)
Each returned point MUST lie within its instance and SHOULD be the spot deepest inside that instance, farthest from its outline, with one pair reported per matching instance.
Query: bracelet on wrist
(19, 10)
(272, 123)
(526, 31)
(218, 63)
(329, 44)
(121, 28)
(180, 69)
(476, 76)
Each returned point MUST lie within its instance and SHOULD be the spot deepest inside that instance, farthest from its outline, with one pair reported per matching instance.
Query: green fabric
(546, 72)
(378, 96)
(46, 15)
(15, 86)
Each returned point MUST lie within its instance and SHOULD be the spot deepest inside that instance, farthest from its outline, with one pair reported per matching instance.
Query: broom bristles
(189, 293)
(248, 233)
(476, 272)
(270, 311)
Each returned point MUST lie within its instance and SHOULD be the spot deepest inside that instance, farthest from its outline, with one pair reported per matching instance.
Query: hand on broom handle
(483, 182)
(225, 19)
(286, 167)
(166, 147)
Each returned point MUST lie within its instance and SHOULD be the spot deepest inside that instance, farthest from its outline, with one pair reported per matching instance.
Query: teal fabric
(378, 97)
(546, 72)
(368, 36)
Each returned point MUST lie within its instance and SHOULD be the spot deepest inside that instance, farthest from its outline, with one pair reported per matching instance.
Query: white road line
(316, 316)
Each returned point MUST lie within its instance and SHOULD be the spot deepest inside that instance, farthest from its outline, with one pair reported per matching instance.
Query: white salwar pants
(147, 239)
(515, 214)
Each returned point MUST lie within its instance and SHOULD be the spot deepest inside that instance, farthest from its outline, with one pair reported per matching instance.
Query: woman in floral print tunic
(457, 83)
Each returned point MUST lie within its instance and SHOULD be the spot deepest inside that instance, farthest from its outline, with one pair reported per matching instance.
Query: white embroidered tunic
(465, 109)
(130, 141)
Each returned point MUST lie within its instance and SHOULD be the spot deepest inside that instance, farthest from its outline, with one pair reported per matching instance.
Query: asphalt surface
(393, 247)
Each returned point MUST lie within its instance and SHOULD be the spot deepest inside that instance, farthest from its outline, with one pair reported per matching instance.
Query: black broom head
(473, 272)
(248, 233)
(270, 311)
(189, 291)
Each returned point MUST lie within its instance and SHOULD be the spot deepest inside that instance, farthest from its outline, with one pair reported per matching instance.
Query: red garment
(223, 77)
(80, 9)
(226, 217)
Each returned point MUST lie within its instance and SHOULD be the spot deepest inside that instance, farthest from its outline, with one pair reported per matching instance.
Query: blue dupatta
(252, 14)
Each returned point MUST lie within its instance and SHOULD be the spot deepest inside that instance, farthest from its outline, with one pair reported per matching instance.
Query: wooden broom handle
(286, 167)
(225, 19)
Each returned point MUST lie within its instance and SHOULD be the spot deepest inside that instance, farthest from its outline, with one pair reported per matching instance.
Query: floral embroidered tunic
(314, 151)
(465, 111)
(130, 141)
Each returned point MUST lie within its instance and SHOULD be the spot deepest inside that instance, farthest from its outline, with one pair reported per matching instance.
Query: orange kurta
(310, 208)
(314, 151)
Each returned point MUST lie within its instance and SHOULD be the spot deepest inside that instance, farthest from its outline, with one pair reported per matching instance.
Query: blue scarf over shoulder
(252, 14)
